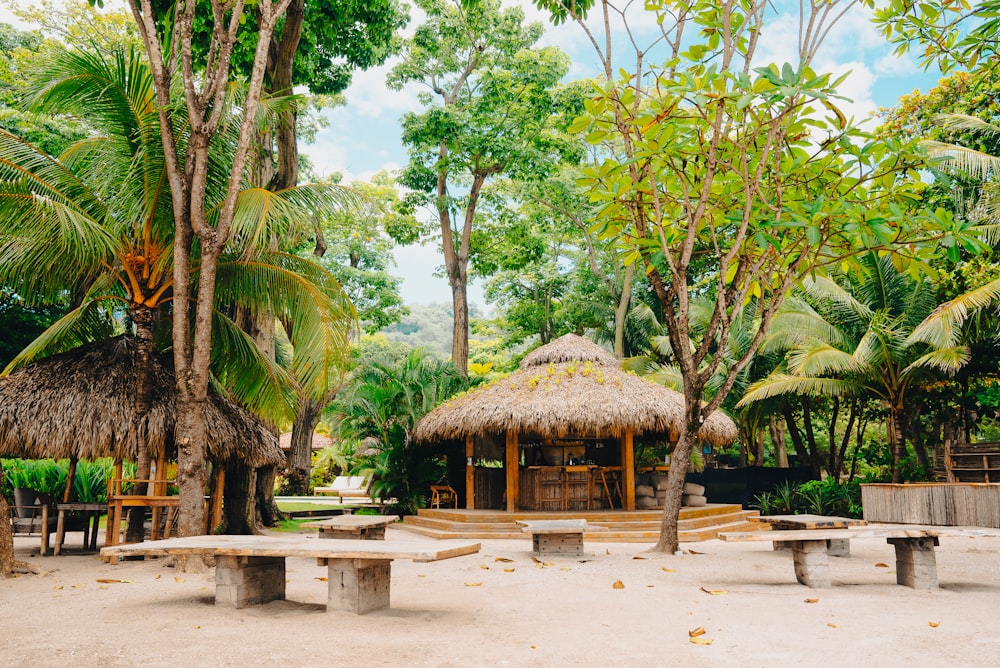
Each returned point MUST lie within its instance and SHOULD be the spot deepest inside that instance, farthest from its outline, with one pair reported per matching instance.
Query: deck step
(694, 524)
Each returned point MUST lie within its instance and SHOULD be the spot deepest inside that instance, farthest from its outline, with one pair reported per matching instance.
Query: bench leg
(358, 585)
(916, 565)
(244, 581)
(561, 544)
(812, 567)
(838, 547)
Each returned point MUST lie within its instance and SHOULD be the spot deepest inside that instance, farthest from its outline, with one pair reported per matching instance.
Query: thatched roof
(319, 441)
(570, 387)
(81, 402)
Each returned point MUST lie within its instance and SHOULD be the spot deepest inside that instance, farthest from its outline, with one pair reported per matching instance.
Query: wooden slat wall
(943, 504)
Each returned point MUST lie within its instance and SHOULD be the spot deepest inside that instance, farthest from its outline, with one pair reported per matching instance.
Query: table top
(810, 521)
(299, 546)
(82, 506)
(352, 522)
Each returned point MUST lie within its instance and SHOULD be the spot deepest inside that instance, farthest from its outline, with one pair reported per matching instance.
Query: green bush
(815, 497)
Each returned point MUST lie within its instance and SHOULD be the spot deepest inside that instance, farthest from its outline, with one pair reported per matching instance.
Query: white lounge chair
(353, 487)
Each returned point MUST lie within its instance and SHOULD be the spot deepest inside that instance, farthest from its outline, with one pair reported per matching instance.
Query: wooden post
(513, 461)
(68, 494)
(218, 486)
(628, 470)
(470, 471)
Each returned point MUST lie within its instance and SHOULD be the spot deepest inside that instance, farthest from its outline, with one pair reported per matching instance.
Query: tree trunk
(268, 513)
(460, 330)
(299, 462)
(6, 535)
(191, 434)
(778, 440)
(669, 541)
(895, 428)
(621, 311)
(238, 508)
(145, 324)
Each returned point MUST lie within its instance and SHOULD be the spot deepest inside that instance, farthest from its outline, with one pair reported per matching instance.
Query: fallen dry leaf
(58, 587)
(79, 586)
(715, 592)
(694, 633)
(421, 575)
(933, 625)
(667, 570)
(693, 552)
(618, 584)
(157, 577)
(881, 565)
(701, 641)
(504, 560)
(113, 581)
(607, 551)
(473, 584)
(484, 567)
(547, 563)
(508, 570)
(323, 579)
(536, 560)
(638, 557)
(812, 600)
(832, 625)
(178, 579)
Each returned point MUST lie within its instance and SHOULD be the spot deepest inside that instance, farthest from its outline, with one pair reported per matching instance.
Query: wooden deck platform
(611, 526)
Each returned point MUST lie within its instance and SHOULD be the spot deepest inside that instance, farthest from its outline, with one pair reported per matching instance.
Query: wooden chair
(443, 494)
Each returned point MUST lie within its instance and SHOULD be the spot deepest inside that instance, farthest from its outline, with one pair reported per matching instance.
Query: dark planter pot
(25, 497)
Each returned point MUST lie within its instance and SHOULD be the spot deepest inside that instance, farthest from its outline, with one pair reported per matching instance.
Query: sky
(363, 137)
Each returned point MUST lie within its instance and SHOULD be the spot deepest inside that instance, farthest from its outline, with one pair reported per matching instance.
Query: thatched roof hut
(568, 387)
(80, 404)
(566, 393)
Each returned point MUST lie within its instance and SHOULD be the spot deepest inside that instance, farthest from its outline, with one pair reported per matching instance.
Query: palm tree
(95, 226)
(382, 404)
(859, 336)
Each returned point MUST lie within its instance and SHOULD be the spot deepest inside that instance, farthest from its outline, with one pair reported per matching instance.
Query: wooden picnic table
(250, 570)
(839, 547)
(91, 515)
(358, 527)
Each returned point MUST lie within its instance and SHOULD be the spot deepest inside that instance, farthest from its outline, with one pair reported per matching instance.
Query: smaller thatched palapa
(569, 386)
(81, 404)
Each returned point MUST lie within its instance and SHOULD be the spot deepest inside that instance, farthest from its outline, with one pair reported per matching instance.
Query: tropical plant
(382, 404)
(865, 333)
(96, 223)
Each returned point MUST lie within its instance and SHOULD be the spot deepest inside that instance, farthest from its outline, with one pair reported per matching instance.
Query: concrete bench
(250, 570)
(557, 537)
(357, 527)
(834, 547)
(916, 566)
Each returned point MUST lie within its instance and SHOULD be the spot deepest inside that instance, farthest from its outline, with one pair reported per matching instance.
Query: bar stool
(551, 488)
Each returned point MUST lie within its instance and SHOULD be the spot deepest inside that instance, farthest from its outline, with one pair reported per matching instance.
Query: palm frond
(942, 328)
(977, 164)
(948, 360)
(778, 384)
(819, 358)
(308, 300)
(92, 321)
(248, 375)
(827, 290)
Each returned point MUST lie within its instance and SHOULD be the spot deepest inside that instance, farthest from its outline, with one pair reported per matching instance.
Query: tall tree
(728, 178)
(168, 40)
(488, 95)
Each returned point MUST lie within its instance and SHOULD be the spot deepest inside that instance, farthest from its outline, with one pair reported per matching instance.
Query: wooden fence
(944, 504)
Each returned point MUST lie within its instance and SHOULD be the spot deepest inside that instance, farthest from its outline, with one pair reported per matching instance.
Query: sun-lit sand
(483, 610)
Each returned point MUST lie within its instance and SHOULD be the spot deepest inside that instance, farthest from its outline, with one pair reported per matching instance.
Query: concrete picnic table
(835, 547)
(250, 570)
(359, 527)
(557, 537)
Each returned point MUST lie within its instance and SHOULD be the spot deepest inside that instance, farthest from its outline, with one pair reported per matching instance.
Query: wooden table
(838, 547)
(356, 527)
(557, 537)
(118, 504)
(250, 570)
(91, 513)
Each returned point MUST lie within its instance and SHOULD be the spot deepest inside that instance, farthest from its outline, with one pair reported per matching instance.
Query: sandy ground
(481, 611)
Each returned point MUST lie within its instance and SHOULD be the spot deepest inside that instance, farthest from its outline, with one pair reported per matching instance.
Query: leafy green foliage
(380, 409)
(816, 497)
